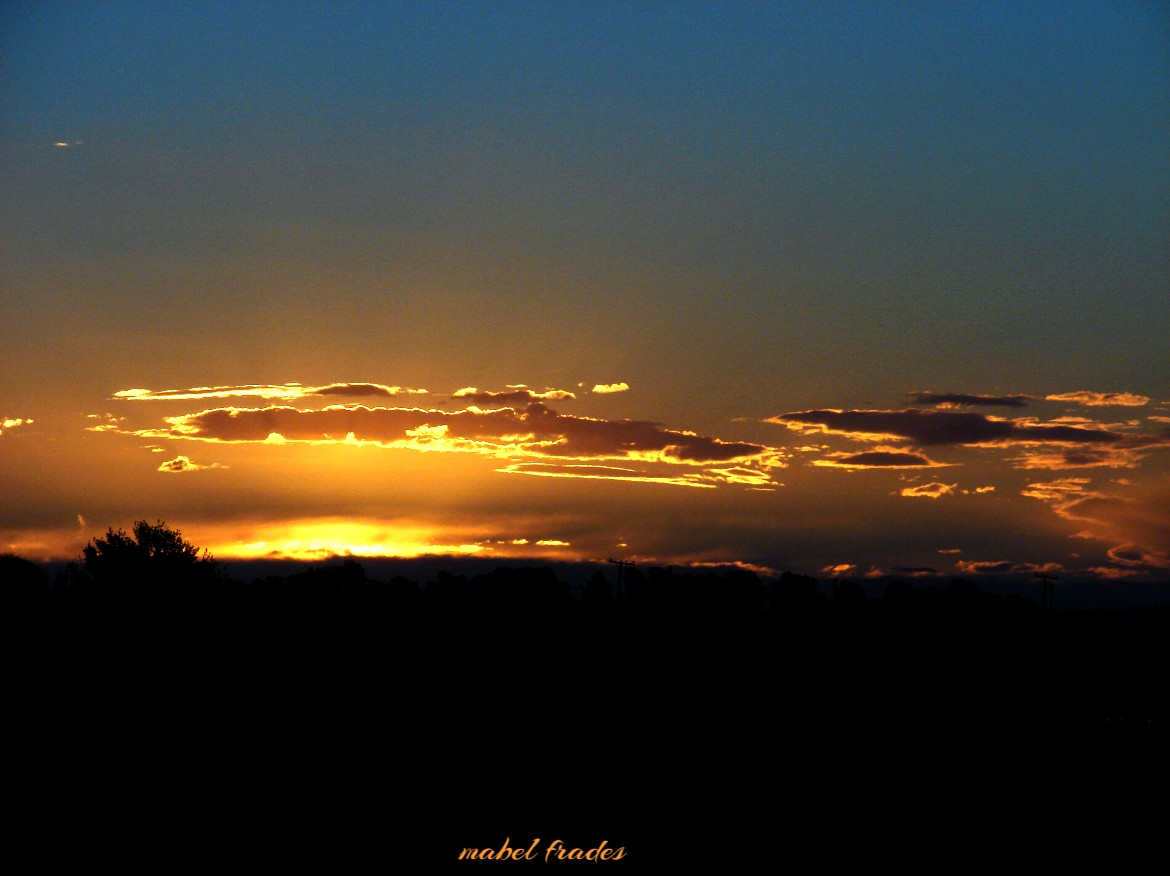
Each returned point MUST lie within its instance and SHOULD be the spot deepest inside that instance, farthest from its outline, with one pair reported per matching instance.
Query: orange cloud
(1138, 527)
(11, 423)
(604, 388)
(1105, 457)
(518, 394)
(881, 457)
(928, 491)
(283, 392)
(985, 567)
(1100, 399)
(1057, 490)
(603, 473)
(184, 464)
(964, 399)
(929, 427)
(840, 569)
(532, 431)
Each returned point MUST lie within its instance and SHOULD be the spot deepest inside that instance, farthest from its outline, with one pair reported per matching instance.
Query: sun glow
(320, 539)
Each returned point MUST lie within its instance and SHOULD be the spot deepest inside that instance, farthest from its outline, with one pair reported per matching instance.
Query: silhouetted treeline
(942, 653)
(510, 703)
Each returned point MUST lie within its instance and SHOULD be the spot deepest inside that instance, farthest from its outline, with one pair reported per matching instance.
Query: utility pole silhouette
(622, 566)
(1047, 592)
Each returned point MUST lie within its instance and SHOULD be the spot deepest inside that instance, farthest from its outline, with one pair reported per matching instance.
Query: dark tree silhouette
(153, 561)
(23, 584)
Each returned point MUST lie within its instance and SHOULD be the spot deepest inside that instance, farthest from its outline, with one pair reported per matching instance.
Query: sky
(838, 288)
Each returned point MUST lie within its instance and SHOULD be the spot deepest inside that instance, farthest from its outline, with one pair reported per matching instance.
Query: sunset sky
(841, 288)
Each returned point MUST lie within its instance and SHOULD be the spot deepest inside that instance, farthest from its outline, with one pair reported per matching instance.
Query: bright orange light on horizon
(321, 539)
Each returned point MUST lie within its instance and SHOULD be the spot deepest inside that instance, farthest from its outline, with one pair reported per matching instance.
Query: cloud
(1100, 399)
(1056, 490)
(602, 473)
(1138, 527)
(515, 395)
(1104, 457)
(963, 399)
(184, 464)
(532, 432)
(840, 569)
(10, 423)
(928, 491)
(109, 423)
(938, 427)
(990, 567)
(880, 458)
(279, 391)
(605, 388)
(362, 389)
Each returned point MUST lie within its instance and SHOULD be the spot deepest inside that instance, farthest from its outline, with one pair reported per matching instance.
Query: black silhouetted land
(337, 716)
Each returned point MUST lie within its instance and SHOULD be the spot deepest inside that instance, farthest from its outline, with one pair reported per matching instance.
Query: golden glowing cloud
(840, 569)
(184, 464)
(10, 423)
(532, 431)
(1100, 399)
(928, 491)
(282, 392)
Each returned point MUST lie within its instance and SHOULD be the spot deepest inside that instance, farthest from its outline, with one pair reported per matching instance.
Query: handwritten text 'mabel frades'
(556, 851)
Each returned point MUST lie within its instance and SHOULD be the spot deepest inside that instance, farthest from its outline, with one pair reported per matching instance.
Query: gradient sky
(831, 287)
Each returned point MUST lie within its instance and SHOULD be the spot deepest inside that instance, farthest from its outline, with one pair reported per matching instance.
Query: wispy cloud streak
(1100, 399)
(280, 391)
(965, 399)
(929, 427)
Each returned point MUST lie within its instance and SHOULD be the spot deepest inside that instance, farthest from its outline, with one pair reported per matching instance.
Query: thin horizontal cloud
(1056, 490)
(1100, 399)
(840, 569)
(606, 388)
(932, 428)
(281, 392)
(353, 390)
(513, 395)
(182, 464)
(991, 567)
(1106, 457)
(965, 399)
(602, 473)
(106, 423)
(880, 458)
(928, 491)
(10, 423)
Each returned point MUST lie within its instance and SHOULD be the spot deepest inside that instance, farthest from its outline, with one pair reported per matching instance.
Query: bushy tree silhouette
(152, 558)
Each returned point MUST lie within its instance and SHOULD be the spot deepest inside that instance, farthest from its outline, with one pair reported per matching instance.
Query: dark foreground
(340, 723)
